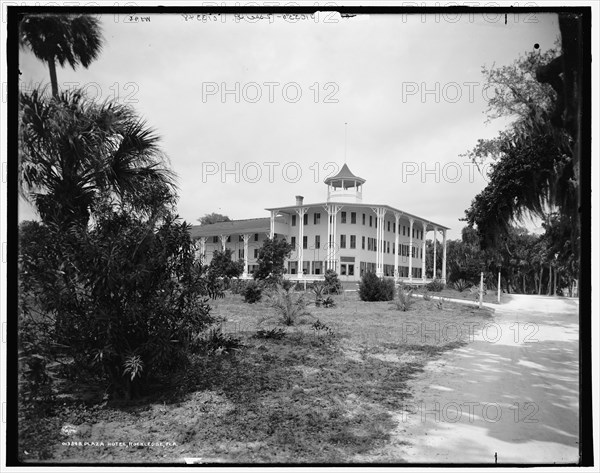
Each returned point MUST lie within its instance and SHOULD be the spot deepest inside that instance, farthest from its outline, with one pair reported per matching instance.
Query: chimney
(299, 200)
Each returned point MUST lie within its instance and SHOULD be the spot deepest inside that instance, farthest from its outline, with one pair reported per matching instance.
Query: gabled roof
(251, 225)
(345, 174)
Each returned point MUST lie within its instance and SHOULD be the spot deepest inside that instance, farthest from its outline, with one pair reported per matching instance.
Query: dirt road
(511, 394)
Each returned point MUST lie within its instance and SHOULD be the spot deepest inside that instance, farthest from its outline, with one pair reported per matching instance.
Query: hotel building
(343, 234)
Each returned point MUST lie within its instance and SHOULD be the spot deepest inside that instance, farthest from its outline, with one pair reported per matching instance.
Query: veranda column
(397, 238)
(328, 262)
(272, 231)
(424, 255)
(246, 239)
(336, 209)
(202, 249)
(223, 241)
(444, 260)
(410, 248)
(381, 248)
(435, 234)
(301, 211)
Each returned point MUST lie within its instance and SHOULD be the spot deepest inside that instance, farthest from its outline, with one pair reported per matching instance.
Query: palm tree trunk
(549, 292)
(541, 278)
(524, 288)
(555, 280)
(53, 79)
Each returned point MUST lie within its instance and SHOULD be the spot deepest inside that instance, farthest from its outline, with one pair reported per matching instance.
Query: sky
(253, 112)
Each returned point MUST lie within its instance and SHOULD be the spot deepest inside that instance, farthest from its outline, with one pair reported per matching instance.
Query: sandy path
(513, 392)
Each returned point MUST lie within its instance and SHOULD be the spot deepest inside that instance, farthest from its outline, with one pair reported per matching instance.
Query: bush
(238, 286)
(426, 295)
(404, 300)
(332, 284)
(123, 298)
(274, 333)
(373, 289)
(461, 285)
(253, 292)
(328, 302)
(214, 341)
(288, 305)
(318, 289)
(436, 285)
(319, 327)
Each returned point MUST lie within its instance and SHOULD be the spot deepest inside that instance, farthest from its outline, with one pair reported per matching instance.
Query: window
(240, 238)
(394, 227)
(241, 253)
(352, 217)
(363, 241)
(389, 224)
(229, 239)
(413, 232)
(343, 217)
(305, 219)
(317, 218)
(305, 242)
(376, 222)
(364, 218)
(255, 253)
(293, 242)
(293, 220)
(403, 230)
(317, 242)
(215, 239)
(342, 241)
(370, 220)
(388, 246)
(350, 270)
(352, 241)
(342, 270)
(256, 237)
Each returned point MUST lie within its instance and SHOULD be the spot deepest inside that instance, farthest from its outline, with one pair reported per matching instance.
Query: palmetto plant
(62, 39)
(288, 304)
(76, 155)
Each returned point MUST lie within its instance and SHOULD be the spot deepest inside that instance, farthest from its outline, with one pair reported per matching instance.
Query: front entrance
(347, 269)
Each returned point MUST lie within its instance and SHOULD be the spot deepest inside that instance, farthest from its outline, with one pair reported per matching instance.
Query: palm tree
(76, 156)
(73, 39)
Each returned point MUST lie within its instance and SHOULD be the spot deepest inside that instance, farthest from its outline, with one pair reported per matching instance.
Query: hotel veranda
(343, 234)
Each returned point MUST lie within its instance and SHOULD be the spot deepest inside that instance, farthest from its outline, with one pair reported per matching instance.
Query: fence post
(481, 291)
(499, 289)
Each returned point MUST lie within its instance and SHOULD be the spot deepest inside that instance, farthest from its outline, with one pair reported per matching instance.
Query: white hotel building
(343, 234)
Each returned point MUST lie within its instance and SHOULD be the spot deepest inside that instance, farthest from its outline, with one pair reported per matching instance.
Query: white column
(272, 231)
(336, 209)
(435, 234)
(223, 241)
(246, 239)
(202, 250)
(410, 248)
(381, 240)
(301, 212)
(424, 255)
(328, 244)
(444, 260)
(397, 238)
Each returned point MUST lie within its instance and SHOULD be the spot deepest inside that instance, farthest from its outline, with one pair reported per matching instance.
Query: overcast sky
(370, 72)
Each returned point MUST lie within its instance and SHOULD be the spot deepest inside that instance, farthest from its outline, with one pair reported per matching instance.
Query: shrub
(328, 302)
(271, 260)
(404, 300)
(426, 295)
(373, 289)
(318, 289)
(253, 292)
(461, 285)
(238, 286)
(289, 305)
(274, 333)
(122, 297)
(214, 341)
(332, 283)
(319, 327)
(223, 266)
(436, 285)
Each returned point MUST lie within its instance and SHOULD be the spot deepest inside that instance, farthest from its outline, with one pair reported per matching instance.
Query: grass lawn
(308, 397)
